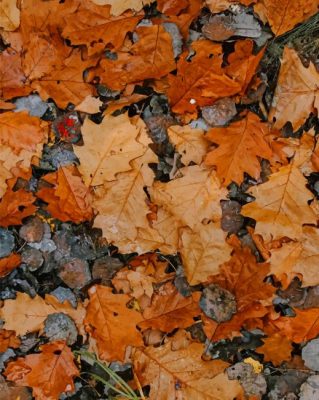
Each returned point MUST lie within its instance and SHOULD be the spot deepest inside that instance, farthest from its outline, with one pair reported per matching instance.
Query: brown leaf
(8, 264)
(8, 339)
(276, 349)
(49, 373)
(119, 6)
(183, 374)
(296, 94)
(69, 199)
(9, 15)
(11, 74)
(170, 310)
(171, 7)
(111, 323)
(16, 205)
(239, 146)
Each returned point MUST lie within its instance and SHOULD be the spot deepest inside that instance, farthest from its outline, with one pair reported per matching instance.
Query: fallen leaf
(276, 349)
(11, 74)
(119, 6)
(171, 7)
(170, 310)
(9, 15)
(111, 323)
(8, 339)
(240, 147)
(7, 265)
(296, 94)
(281, 205)
(69, 199)
(183, 374)
(90, 105)
(203, 251)
(48, 374)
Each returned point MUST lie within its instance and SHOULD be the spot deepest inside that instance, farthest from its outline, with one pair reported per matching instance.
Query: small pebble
(60, 326)
(75, 273)
(33, 258)
(62, 294)
(6, 242)
(32, 231)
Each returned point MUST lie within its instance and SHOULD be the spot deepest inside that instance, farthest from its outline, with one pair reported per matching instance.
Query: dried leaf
(7, 265)
(48, 374)
(276, 349)
(16, 205)
(9, 15)
(239, 146)
(119, 6)
(8, 339)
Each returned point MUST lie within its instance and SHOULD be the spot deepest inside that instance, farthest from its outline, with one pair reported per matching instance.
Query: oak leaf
(281, 205)
(203, 251)
(171, 7)
(183, 374)
(8, 339)
(189, 142)
(298, 258)
(135, 283)
(119, 6)
(11, 74)
(111, 323)
(276, 349)
(8, 264)
(108, 148)
(300, 328)
(151, 57)
(240, 145)
(9, 15)
(170, 310)
(25, 314)
(296, 94)
(48, 373)
(192, 198)
(201, 81)
(284, 15)
(90, 105)
(68, 199)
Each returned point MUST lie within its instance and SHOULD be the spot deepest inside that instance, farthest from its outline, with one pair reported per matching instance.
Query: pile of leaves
(159, 176)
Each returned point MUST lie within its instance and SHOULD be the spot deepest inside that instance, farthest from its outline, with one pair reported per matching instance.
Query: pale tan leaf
(9, 15)
(119, 6)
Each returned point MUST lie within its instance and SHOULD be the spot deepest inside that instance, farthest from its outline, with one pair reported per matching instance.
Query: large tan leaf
(192, 198)
(108, 148)
(11, 74)
(111, 323)
(48, 373)
(240, 147)
(182, 374)
(9, 15)
(298, 258)
(119, 6)
(203, 251)
(190, 143)
(296, 94)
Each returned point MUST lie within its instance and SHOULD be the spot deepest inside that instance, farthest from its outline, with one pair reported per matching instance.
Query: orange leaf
(15, 206)
(11, 74)
(49, 373)
(8, 264)
(171, 7)
(8, 339)
(69, 199)
(240, 145)
(111, 323)
(276, 349)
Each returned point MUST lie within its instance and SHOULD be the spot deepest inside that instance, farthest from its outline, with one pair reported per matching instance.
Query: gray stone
(32, 231)
(252, 383)
(75, 273)
(33, 104)
(310, 354)
(62, 294)
(6, 242)
(33, 258)
(60, 326)
(310, 389)
(218, 303)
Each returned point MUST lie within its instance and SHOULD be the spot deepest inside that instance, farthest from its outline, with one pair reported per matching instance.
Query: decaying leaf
(119, 6)
(8, 264)
(9, 15)
(276, 349)
(8, 339)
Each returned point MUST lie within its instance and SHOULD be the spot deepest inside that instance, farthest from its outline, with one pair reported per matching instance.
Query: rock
(63, 294)
(75, 273)
(4, 357)
(231, 221)
(177, 39)
(10, 391)
(6, 242)
(310, 389)
(33, 104)
(105, 269)
(218, 303)
(310, 354)
(32, 231)
(60, 326)
(59, 155)
(33, 258)
(252, 383)
(67, 127)
(220, 113)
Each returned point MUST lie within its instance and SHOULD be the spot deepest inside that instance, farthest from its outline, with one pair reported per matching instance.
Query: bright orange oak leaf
(109, 147)
(281, 206)
(65, 85)
(111, 323)
(48, 373)
(8, 264)
(243, 63)
(16, 205)
(199, 81)
(68, 199)
(95, 27)
(297, 92)
(187, 16)
(182, 374)
(20, 131)
(298, 258)
(119, 6)
(202, 251)
(151, 57)
(25, 314)
(241, 145)
(191, 199)
(170, 310)
(283, 15)
(276, 349)
(9, 15)
(171, 7)
(304, 326)
(8, 339)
